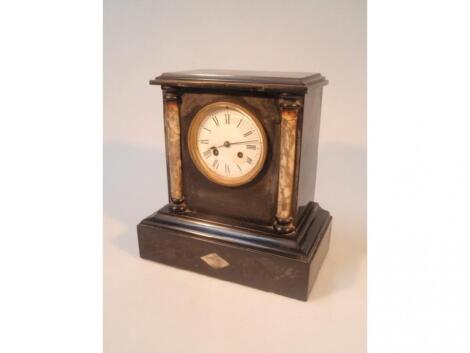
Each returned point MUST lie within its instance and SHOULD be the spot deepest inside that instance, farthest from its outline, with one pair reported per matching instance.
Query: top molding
(260, 81)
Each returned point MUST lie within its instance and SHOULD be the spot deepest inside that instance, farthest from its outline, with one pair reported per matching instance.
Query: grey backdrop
(153, 308)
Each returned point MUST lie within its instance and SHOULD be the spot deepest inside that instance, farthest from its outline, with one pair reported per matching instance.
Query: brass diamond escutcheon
(215, 261)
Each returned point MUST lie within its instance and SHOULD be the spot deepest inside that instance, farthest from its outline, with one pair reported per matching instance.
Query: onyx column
(173, 149)
(290, 108)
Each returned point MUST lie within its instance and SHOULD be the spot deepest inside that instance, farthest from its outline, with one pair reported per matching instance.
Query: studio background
(149, 307)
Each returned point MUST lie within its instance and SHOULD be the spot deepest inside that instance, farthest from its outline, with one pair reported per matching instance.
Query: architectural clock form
(241, 159)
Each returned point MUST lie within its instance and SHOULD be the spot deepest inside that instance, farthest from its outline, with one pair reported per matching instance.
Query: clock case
(237, 233)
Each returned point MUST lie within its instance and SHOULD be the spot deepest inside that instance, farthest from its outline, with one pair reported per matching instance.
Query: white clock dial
(230, 144)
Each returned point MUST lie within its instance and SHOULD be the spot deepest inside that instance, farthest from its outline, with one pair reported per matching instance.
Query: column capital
(170, 94)
(290, 102)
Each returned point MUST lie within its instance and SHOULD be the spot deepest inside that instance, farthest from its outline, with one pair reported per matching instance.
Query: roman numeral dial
(227, 143)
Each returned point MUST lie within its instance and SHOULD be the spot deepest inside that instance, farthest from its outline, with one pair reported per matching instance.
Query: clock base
(255, 258)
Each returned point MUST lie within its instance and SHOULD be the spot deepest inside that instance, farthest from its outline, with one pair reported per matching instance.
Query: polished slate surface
(242, 73)
(246, 258)
(240, 78)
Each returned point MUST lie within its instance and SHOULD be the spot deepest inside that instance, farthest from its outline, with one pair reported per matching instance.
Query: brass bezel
(197, 159)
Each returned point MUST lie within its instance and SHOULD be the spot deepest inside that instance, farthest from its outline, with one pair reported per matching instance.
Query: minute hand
(230, 144)
(240, 142)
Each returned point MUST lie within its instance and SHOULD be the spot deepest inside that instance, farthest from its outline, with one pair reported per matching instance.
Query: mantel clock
(241, 151)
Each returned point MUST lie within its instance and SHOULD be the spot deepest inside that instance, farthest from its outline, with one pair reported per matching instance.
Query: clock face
(227, 144)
